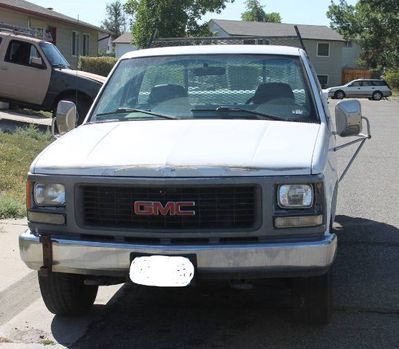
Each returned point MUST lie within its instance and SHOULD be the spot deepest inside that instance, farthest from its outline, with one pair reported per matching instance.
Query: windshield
(207, 87)
(54, 56)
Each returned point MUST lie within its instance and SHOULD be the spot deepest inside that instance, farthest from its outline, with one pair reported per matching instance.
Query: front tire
(316, 298)
(339, 94)
(66, 294)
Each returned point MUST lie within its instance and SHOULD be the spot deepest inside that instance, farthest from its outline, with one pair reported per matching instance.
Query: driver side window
(20, 52)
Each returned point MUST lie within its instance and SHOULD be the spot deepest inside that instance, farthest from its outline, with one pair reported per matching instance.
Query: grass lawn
(395, 93)
(17, 151)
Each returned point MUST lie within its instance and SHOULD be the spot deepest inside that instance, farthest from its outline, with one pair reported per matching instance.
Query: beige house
(72, 37)
(123, 44)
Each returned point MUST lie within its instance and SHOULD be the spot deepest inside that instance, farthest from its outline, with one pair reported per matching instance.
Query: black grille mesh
(218, 207)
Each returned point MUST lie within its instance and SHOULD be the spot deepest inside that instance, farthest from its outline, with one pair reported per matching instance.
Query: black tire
(339, 94)
(66, 294)
(82, 107)
(316, 298)
(377, 96)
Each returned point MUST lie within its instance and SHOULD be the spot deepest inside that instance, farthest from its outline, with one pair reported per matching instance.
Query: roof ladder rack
(17, 29)
(217, 40)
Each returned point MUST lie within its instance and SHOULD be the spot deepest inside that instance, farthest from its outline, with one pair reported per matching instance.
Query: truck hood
(84, 75)
(182, 148)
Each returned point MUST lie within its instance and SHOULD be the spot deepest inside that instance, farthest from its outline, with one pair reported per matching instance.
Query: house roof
(36, 10)
(243, 28)
(125, 38)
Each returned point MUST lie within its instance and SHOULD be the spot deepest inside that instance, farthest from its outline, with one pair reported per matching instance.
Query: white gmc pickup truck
(193, 162)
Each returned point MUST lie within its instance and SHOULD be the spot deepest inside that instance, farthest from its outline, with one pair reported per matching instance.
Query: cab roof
(214, 49)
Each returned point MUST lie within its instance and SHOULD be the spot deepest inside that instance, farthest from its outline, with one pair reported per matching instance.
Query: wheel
(82, 106)
(66, 294)
(339, 94)
(377, 96)
(316, 298)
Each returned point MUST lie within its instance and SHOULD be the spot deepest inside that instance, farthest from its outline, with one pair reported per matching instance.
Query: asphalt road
(366, 283)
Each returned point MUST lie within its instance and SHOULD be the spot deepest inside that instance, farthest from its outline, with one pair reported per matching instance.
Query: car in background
(34, 74)
(375, 89)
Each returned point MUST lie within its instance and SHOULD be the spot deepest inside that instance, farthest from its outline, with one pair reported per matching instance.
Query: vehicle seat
(162, 93)
(272, 90)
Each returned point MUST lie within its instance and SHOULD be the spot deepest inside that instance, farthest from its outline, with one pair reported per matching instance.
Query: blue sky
(291, 11)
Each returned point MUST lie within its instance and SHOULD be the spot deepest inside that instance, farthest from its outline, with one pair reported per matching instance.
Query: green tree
(273, 17)
(373, 24)
(171, 18)
(115, 21)
(255, 13)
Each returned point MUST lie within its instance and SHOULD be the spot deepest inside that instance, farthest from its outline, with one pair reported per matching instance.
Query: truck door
(22, 78)
(354, 90)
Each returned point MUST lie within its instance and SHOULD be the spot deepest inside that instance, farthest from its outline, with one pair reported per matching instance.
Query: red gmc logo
(171, 208)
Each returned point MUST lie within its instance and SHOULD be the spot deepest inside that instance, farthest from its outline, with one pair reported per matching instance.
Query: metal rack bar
(362, 138)
(213, 40)
(17, 29)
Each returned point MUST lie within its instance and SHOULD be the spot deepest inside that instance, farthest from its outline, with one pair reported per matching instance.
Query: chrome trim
(104, 258)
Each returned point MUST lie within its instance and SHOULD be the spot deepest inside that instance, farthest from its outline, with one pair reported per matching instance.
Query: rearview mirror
(65, 116)
(348, 118)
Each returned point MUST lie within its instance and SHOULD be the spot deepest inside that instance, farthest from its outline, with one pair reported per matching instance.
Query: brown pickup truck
(34, 74)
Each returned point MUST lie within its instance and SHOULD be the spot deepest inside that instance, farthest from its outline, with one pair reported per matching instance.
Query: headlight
(49, 194)
(295, 196)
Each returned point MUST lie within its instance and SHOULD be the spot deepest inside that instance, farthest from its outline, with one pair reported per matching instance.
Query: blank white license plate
(161, 271)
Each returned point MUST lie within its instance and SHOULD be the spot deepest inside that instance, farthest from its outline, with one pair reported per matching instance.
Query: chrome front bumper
(104, 258)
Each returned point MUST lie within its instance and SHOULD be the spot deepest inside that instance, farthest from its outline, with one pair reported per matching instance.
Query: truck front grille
(216, 207)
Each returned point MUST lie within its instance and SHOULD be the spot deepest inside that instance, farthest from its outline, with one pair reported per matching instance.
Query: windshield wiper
(238, 109)
(133, 110)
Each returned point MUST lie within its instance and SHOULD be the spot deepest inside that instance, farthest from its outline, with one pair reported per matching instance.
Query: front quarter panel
(62, 82)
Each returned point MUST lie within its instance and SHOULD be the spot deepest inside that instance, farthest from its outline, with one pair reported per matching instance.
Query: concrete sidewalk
(25, 323)
(12, 268)
(24, 118)
(10, 120)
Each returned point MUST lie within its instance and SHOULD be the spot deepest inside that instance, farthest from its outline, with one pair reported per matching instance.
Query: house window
(263, 42)
(323, 79)
(39, 32)
(86, 44)
(323, 49)
(75, 43)
(249, 42)
(348, 44)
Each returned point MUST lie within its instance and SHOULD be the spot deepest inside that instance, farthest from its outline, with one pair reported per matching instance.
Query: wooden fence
(352, 74)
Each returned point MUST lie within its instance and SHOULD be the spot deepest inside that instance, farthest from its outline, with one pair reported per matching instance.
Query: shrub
(392, 78)
(11, 207)
(17, 150)
(97, 65)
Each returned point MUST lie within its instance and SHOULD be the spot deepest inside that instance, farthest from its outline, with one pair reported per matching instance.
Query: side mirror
(37, 62)
(65, 116)
(348, 118)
